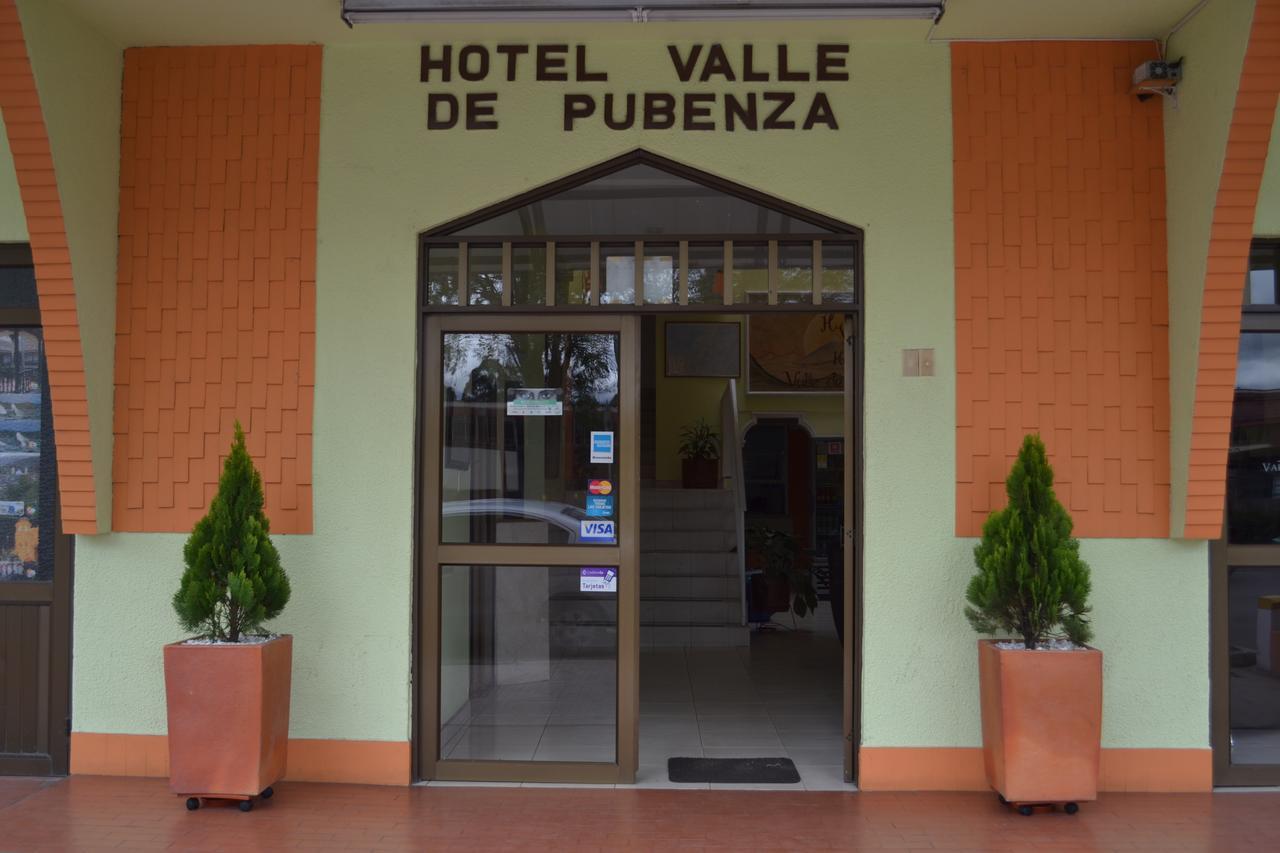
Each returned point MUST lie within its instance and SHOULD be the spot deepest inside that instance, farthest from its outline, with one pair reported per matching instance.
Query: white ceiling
(175, 22)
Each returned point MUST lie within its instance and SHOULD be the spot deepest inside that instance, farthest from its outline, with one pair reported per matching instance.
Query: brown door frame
(433, 554)
(55, 595)
(426, 579)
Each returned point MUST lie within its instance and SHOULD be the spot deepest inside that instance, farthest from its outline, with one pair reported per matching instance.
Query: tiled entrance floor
(780, 696)
(87, 813)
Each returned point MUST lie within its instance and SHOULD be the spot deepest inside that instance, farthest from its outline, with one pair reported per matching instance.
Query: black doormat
(734, 771)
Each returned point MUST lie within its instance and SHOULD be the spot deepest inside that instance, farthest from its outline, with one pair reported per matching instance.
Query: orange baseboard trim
(960, 769)
(365, 762)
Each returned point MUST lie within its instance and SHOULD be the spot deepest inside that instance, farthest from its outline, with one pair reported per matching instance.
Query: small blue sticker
(601, 447)
(596, 530)
(600, 506)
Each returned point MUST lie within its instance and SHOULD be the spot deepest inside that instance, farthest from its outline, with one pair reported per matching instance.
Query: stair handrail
(731, 471)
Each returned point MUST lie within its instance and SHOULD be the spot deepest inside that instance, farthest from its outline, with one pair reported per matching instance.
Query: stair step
(686, 499)
(689, 586)
(657, 520)
(686, 564)
(688, 541)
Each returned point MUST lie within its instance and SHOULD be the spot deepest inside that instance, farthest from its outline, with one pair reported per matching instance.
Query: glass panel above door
(639, 200)
(530, 427)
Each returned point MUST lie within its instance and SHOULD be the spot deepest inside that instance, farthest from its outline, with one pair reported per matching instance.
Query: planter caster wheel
(1026, 811)
(268, 793)
(193, 803)
(1071, 808)
(246, 805)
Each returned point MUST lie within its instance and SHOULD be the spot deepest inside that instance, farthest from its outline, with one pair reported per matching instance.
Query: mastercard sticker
(599, 487)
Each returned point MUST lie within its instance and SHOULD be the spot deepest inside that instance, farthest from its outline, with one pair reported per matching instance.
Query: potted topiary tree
(227, 688)
(1042, 688)
(700, 456)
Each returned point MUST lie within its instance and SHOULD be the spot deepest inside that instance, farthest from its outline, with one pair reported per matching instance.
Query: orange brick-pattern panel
(215, 317)
(1061, 292)
(1227, 266)
(33, 162)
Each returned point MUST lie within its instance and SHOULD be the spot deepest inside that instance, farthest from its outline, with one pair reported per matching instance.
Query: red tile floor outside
(105, 813)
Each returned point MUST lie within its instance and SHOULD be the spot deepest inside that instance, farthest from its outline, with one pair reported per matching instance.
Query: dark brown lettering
(820, 112)
(576, 107)
(774, 121)
(697, 111)
(785, 73)
(831, 62)
(614, 123)
(442, 64)
(684, 67)
(737, 110)
(473, 51)
(749, 73)
(550, 63)
(480, 111)
(512, 52)
(716, 63)
(659, 111)
(442, 111)
(581, 73)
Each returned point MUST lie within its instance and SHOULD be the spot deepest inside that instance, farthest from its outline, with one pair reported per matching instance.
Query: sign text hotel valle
(770, 104)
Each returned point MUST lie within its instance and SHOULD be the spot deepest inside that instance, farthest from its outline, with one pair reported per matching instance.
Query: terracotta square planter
(228, 716)
(1041, 723)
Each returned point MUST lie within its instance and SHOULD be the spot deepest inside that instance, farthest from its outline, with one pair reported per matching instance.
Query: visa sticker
(601, 446)
(600, 506)
(597, 530)
(599, 487)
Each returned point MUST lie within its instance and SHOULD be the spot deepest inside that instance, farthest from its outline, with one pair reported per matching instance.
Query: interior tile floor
(777, 697)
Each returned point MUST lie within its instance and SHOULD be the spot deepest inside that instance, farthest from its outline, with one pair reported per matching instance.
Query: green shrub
(699, 441)
(1030, 578)
(233, 581)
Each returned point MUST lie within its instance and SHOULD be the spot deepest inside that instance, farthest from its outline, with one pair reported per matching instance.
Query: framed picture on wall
(795, 354)
(704, 349)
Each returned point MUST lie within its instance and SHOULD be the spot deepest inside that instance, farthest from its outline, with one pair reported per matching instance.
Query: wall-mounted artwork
(704, 349)
(795, 354)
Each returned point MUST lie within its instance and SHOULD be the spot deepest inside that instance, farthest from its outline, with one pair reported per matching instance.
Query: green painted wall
(384, 178)
(1195, 133)
(78, 74)
(1266, 221)
(13, 220)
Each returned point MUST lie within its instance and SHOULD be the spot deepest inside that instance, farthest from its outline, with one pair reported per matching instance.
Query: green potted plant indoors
(700, 456)
(1041, 688)
(227, 688)
(785, 582)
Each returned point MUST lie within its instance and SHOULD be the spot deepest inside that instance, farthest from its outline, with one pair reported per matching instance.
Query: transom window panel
(641, 231)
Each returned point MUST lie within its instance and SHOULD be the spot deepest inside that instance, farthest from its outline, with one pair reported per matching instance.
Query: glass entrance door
(530, 523)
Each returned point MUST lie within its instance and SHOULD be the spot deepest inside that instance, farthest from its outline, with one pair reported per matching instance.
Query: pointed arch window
(641, 231)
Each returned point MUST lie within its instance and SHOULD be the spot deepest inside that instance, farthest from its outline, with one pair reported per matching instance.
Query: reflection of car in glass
(561, 519)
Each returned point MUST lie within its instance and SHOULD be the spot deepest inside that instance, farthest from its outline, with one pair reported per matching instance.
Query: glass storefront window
(1260, 286)
(795, 273)
(1253, 635)
(523, 418)
(1253, 466)
(706, 273)
(751, 273)
(839, 272)
(484, 275)
(528, 663)
(573, 274)
(22, 420)
(529, 275)
(442, 275)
